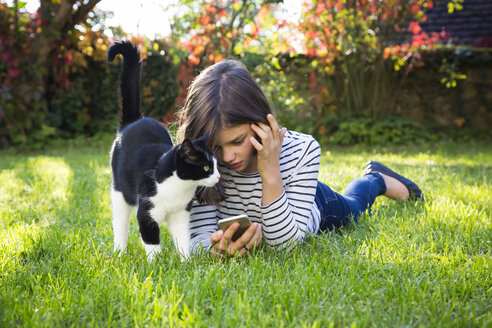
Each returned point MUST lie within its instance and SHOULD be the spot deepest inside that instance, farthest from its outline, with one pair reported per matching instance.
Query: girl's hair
(223, 95)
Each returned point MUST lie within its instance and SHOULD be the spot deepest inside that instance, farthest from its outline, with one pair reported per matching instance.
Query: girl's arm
(288, 219)
(268, 158)
(287, 211)
(203, 223)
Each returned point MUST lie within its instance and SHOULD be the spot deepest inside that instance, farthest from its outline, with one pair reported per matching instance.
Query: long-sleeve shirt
(288, 219)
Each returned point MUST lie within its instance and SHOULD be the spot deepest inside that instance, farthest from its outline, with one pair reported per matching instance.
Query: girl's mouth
(234, 166)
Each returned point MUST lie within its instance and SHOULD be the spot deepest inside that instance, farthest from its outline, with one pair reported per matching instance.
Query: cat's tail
(130, 80)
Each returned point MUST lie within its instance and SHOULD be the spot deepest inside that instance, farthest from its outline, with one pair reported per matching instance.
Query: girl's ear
(188, 152)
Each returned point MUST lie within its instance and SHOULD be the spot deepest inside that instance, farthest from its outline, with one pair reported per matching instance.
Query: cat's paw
(119, 250)
(152, 251)
(184, 257)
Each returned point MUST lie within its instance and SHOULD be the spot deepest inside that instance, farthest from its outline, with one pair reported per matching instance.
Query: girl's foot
(397, 186)
(394, 188)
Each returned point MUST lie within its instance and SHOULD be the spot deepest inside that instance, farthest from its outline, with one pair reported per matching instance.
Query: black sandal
(413, 190)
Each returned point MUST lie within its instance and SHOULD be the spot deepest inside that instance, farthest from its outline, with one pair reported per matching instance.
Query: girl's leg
(360, 194)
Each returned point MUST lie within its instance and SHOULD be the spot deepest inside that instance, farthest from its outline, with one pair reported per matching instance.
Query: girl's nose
(227, 156)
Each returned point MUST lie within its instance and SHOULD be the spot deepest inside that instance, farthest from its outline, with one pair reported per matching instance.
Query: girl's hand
(223, 246)
(270, 147)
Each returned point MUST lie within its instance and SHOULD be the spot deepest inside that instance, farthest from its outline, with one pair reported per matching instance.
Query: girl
(268, 173)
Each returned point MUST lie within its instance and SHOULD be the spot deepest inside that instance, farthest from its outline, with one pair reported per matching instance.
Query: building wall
(468, 105)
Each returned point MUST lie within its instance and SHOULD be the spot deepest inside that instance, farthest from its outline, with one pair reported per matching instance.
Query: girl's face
(235, 150)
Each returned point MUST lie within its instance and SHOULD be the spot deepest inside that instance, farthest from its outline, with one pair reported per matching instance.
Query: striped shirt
(285, 221)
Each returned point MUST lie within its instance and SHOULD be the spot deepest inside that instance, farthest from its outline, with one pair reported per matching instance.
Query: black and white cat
(149, 171)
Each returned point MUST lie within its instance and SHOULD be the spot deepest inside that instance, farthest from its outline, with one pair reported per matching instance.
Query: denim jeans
(337, 210)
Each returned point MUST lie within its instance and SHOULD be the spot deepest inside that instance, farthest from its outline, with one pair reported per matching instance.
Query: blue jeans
(337, 210)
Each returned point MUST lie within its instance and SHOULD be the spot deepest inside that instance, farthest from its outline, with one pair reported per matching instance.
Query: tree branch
(83, 11)
(63, 21)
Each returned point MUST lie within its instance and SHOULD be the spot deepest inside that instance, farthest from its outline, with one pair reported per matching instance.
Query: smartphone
(244, 223)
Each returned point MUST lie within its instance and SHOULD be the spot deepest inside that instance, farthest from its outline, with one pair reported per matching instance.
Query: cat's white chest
(173, 195)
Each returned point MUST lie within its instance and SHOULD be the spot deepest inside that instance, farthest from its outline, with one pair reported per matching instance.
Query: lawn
(407, 265)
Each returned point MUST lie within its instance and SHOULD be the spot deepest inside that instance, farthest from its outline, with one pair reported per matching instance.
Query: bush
(91, 103)
(366, 130)
(159, 86)
(21, 106)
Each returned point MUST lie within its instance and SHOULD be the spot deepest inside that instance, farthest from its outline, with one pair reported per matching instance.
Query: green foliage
(347, 41)
(91, 103)
(21, 106)
(371, 131)
(287, 102)
(212, 30)
(450, 74)
(82, 98)
(206, 32)
(326, 75)
(455, 5)
(159, 85)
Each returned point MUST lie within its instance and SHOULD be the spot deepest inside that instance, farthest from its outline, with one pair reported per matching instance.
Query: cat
(151, 173)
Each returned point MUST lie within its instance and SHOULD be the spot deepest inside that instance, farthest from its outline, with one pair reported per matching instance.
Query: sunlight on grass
(29, 195)
(32, 189)
(101, 197)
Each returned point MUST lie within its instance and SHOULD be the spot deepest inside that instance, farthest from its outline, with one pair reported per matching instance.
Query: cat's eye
(206, 168)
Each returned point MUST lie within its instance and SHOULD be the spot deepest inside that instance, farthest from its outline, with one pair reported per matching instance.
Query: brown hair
(223, 95)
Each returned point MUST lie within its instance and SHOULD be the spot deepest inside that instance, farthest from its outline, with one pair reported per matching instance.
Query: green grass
(409, 264)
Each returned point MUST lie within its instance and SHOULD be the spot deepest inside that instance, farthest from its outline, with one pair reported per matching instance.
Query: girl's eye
(237, 142)
(206, 168)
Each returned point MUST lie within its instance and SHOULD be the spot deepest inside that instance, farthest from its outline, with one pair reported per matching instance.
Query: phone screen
(244, 223)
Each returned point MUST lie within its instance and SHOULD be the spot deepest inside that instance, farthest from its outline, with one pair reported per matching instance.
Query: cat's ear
(203, 139)
(188, 152)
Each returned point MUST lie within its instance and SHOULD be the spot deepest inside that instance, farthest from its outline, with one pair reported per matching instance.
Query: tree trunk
(60, 19)
(64, 20)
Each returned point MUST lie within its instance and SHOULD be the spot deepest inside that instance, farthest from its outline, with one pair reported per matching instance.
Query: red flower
(311, 52)
(414, 28)
(387, 52)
